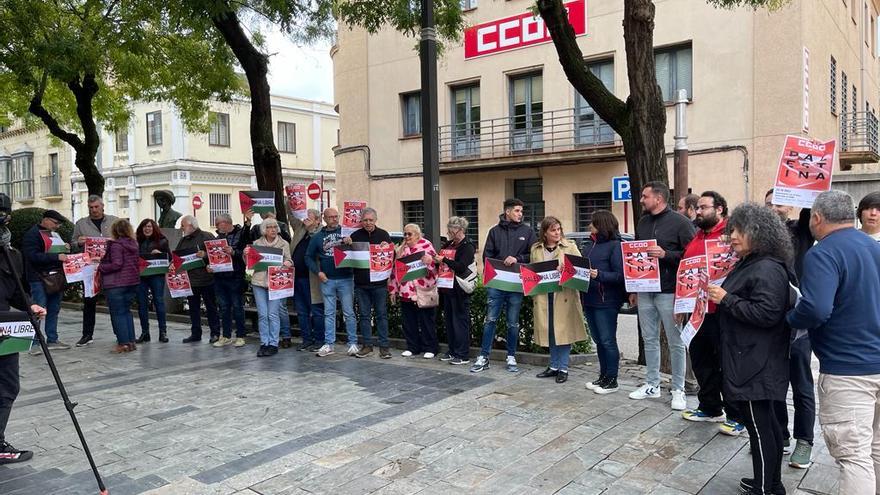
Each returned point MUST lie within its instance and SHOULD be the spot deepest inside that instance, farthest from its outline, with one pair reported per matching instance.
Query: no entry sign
(314, 190)
(197, 202)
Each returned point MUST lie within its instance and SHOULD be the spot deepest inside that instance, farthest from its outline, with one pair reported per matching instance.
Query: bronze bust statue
(168, 218)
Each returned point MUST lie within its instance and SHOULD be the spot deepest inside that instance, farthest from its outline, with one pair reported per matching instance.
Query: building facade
(511, 125)
(156, 153)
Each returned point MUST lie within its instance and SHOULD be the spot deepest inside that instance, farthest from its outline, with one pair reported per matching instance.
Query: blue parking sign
(620, 189)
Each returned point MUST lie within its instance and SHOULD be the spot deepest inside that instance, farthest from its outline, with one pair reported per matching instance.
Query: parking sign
(620, 189)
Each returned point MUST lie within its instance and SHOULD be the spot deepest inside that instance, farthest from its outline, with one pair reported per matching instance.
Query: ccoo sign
(518, 31)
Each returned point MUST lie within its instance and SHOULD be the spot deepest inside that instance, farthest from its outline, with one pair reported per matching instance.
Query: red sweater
(697, 246)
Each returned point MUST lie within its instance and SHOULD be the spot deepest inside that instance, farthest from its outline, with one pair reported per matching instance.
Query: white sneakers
(325, 350)
(645, 392)
(679, 402)
(406, 354)
(428, 355)
(353, 350)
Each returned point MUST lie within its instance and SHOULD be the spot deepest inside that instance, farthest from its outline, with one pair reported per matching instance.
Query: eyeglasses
(408, 234)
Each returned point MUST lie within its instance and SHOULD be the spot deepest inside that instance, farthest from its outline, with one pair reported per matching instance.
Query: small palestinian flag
(410, 267)
(575, 273)
(186, 259)
(153, 264)
(355, 256)
(16, 332)
(540, 278)
(259, 201)
(260, 258)
(499, 276)
(54, 243)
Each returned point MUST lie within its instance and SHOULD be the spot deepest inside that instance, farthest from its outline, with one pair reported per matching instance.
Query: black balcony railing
(542, 132)
(50, 186)
(858, 133)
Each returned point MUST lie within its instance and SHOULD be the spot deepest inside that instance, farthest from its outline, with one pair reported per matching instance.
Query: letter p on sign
(620, 189)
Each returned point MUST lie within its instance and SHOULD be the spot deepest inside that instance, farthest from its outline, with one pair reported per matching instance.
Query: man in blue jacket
(510, 242)
(839, 307)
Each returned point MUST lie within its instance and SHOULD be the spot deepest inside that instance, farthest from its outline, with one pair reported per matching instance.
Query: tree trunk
(267, 160)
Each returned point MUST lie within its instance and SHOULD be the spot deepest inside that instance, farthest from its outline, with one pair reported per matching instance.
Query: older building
(512, 125)
(156, 153)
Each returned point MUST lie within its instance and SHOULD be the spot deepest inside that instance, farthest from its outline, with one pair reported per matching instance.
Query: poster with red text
(381, 261)
(641, 273)
(95, 247)
(351, 216)
(687, 283)
(74, 267)
(720, 260)
(701, 307)
(280, 282)
(296, 200)
(804, 171)
(218, 259)
(178, 283)
(445, 275)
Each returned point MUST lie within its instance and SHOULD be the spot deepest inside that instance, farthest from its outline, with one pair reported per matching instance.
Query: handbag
(427, 297)
(53, 282)
(469, 282)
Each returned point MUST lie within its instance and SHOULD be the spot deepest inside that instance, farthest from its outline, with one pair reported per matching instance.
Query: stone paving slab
(177, 419)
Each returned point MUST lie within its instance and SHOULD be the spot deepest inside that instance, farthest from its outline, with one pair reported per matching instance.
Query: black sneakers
(84, 341)
(10, 455)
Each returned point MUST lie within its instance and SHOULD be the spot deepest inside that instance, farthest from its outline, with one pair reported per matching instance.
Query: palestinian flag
(260, 258)
(355, 256)
(186, 259)
(153, 264)
(540, 278)
(499, 276)
(575, 273)
(259, 201)
(410, 267)
(54, 243)
(16, 332)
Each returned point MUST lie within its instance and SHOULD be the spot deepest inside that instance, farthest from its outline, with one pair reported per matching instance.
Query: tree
(73, 64)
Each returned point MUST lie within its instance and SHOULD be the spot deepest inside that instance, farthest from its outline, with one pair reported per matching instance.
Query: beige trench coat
(568, 315)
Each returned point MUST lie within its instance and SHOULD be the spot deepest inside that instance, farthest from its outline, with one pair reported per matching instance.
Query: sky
(301, 71)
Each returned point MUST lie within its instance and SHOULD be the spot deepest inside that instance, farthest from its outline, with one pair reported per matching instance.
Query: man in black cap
(40, 264)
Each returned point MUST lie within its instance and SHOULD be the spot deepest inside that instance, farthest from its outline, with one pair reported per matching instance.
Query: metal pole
(430, 137)
(680, 156)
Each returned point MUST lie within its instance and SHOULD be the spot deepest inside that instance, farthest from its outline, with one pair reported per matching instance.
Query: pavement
(173, 419)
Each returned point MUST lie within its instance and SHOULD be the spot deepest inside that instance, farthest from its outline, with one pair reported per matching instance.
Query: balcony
(565, 136)
(858, 139)
(50, 187)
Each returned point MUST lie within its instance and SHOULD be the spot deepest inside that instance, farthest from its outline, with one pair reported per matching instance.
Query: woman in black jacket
(457, 302)
(151, 242)
(752, 303)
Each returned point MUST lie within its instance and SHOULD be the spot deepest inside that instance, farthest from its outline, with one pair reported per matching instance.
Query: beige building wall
(45, 189)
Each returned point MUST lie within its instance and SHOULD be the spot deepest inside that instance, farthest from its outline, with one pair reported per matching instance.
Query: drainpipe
(680, 159)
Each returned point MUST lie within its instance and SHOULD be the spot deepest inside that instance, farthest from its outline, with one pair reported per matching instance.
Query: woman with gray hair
(456, 255)
(752, 303)
(269, 320)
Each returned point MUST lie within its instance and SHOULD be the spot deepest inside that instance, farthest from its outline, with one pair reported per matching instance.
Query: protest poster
(720, 260)
(540, 278)
(186, 259)
(260, 258)
(499, 276)
(445, 275)
(355, 255)
(381, 261)
(53, 243)
(701, 307)
(74, 265)
(280, 282)
(296, 200)
(17, 333)
(154, 264)
(641, 273)
(95, 247)
(178, 283)
(260, 202)
(91, 280)
(218, 259)
(351, 216)
(687, 283)
(804, 171)
(410, 267)
(575, 273)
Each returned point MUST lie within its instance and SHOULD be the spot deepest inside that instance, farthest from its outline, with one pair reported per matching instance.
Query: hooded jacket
(119, 267)
(509, 239)
(673, 232)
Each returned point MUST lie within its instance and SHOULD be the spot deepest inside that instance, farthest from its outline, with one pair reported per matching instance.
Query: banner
(259, 201)
(701, 307)
(95, 247)
(260, 258)
(187, 259)
(351, 216)
(720, 260)
(540, 278)
(54, 243)
(218, 259)
(687, 283)
(804, 171)
(357, 255)
(641, 273)
(280, 282)
(410, 267)
(74, 265)
(91, 280)
(575, 273)
(16, 332)
(499, 276)
(296, 200)
(445, 275)
(154, 264)
(178, 284)
(381, 261)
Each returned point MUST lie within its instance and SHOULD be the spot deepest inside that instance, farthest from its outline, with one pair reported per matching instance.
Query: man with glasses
(371, 295)
(97, 224)
(37, 261)
(230, 286)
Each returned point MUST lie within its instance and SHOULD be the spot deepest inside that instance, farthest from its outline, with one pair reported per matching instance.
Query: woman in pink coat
(419, 323)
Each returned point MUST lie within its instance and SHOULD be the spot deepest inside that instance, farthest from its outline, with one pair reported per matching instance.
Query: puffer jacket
(509, 239)
(607, 290)
(119, 267)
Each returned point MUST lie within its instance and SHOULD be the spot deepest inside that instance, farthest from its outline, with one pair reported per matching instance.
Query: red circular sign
(314, 190)
(197, 202)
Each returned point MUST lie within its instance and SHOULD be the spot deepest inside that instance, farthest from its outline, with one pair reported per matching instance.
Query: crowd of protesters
(801, 285)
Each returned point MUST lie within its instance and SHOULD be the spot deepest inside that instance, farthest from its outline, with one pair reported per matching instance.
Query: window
(219, 135)
(51, 184)
(833, 84)
(411, 109)
(23, 176)
(527, 113)
(218, 204)
(413, 212)
(287, 137)
(122, 140)
(855, 101)
(585, 204)
(531, 192)
(843, 86)
(468, 209)
(674, 68)
(124, 202)
(6, 176)
(154, 129)
(589, 128)
(466, 121)
(468, 4)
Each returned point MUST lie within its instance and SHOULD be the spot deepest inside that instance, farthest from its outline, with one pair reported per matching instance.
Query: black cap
(5, 203)
(54, 215)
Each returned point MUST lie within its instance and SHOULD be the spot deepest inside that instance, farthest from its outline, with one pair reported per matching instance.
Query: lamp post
(430, 133)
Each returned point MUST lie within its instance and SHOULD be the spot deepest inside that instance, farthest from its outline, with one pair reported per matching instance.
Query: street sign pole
(430, 131)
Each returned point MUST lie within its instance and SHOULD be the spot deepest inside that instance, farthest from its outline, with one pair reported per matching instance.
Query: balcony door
(466, 121)
(590, 130)
(526, 113)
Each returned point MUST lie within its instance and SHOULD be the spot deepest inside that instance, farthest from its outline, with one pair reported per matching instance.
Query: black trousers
(89, 309)
(9, 388)
(456, 314)
(419, 328)
(765, 439)
(207, 295)
(800, 375)
(705, 352)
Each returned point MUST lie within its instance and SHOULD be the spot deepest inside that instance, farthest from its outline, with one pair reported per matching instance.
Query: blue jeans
(603, 330)
(268, 312)
(495, 299)
(230, 302)
(119, 299)
(343, 290)
(284, 318)
(155, 285)
(559, 354)
(52, 304)
(310, 316)
(370, 298)
(654, 309)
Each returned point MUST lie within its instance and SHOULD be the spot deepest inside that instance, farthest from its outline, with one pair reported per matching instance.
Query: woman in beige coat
(268, 310)
(559, 317)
